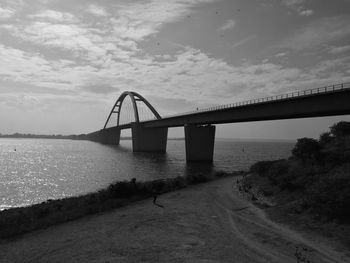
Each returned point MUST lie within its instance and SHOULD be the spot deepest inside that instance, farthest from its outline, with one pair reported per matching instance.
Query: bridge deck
(326, 101)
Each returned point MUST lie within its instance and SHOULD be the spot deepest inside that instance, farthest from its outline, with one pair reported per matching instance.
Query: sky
(64, 63)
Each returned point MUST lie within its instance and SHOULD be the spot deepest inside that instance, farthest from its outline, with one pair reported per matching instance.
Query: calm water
(34, 170)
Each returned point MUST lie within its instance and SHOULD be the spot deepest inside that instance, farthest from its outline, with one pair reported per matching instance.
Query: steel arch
(134, 97)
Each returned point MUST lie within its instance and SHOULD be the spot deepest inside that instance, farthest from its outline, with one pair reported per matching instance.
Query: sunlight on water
(35, 170)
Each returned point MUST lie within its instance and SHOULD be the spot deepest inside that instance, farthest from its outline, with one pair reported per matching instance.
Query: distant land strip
(59, 136)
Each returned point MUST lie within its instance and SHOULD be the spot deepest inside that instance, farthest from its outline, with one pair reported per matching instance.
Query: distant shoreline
(59, 136)
(83, 137)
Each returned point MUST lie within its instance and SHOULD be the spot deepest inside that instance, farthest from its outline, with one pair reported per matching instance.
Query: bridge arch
(134, 96)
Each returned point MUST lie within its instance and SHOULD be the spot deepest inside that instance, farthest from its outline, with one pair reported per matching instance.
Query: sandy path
(205, 223)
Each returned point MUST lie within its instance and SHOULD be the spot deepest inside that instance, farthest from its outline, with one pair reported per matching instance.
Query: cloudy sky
(64, 63)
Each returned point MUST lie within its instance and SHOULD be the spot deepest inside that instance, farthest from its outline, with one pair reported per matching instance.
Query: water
(35, 170)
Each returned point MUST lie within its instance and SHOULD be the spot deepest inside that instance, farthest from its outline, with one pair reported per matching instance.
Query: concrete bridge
(151, 135)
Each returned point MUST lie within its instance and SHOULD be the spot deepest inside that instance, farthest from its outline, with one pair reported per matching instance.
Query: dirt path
(205, 223)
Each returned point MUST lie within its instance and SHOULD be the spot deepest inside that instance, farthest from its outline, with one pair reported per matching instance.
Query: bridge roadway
(289, 106)
(325, 101)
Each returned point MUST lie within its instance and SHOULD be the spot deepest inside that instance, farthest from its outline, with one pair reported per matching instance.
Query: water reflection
(51, 169)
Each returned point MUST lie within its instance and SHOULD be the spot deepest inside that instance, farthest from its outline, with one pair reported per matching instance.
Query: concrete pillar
(110, 136)
(148, 139)
(199, 143)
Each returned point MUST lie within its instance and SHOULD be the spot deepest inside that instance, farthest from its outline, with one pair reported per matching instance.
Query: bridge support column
(199, 143)
(148, 139)
(110, 136)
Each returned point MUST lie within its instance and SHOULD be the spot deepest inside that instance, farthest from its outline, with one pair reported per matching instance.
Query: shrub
(197, 178)
(341, 129)
(301, 175)
(122, 189)
(325, 138)
(320, 170)
(306, 149)
(179, 182)
(337, 151)
(331, 194)
(262, 167)
(277, 170)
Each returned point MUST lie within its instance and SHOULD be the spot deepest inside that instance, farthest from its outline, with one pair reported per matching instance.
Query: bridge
(150, 135)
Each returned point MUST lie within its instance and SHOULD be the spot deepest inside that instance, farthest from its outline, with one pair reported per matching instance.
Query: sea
(36, 170)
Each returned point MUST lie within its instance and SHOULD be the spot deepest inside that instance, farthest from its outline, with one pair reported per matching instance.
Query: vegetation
(23, 219)
(44, 136)
(319, 170)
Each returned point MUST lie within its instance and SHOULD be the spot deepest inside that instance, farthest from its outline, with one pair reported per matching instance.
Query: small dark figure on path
(133, 181)
(155, 196)
(134, 185)
(157, 190)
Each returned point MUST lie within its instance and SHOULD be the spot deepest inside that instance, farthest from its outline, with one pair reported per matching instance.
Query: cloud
(6, 13)
(106, 57)
(23, 102)
(281, 54)
(190, 74)
(46, 33)
(100, 44)
(338, 50)
(317, 33)
(55, 16)
(307, 12)
(100, 88)
(292, 3)
(229, 24)
(82, 41)
(170, 105)
(138, 20)
(18, 64)
(243, 41)
(32, 68)
(96, 10)
(332, 68)
(297, 6)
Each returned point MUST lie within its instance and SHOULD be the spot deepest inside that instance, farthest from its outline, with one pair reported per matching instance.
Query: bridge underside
(151, 136)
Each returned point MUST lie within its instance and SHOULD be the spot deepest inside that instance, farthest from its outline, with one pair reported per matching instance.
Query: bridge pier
(148, 139)
(110, 136)
(199, 142)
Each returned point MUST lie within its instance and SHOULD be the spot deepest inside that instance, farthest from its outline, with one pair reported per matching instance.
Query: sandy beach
(204, 223)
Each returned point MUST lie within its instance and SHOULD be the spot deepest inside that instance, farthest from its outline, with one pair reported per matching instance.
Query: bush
(277, 170)
(341, 129)
(331, 193)
(301, 175)
(319, 170)
(197, 178)
(262, 167)
(122, 189)
(337, 151)
(325, 138)
(306, 149)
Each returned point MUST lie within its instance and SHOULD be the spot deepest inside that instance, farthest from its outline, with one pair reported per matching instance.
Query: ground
(204, 223)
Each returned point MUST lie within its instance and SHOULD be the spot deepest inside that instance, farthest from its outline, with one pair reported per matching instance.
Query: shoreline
(20, 220)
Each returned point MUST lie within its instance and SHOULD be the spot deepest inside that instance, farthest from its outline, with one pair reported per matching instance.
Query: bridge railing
(295, 94)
